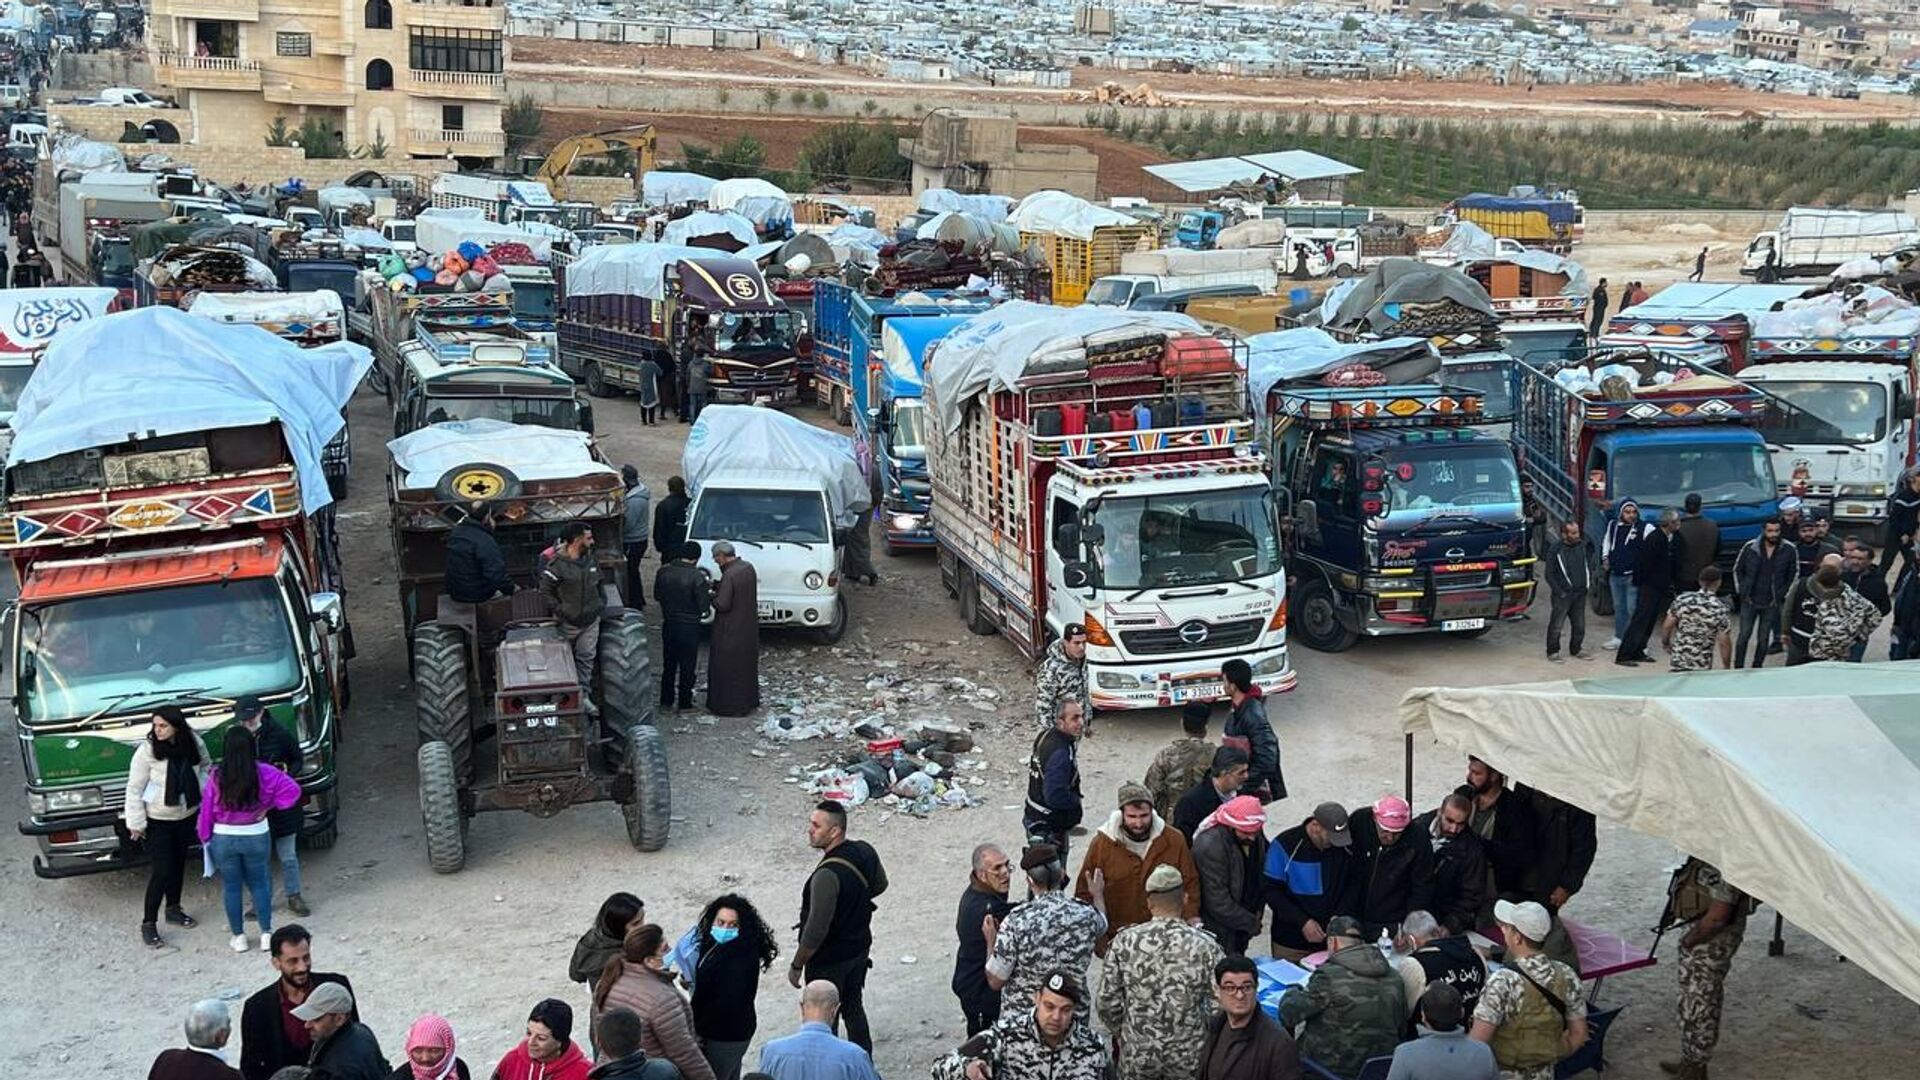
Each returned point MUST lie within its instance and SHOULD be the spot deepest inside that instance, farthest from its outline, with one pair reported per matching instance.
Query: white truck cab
(1843, 440)
(780, 521)
(399, 233)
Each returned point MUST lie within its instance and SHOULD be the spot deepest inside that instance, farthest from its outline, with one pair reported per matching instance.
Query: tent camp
(1791, 781)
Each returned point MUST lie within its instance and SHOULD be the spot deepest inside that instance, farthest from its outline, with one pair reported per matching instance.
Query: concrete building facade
(980, 152)
(407, 78)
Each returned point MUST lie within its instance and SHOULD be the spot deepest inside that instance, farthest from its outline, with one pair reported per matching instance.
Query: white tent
(1797, 783)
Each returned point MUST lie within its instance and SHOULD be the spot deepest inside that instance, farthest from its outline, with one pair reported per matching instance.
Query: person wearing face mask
(735, 946)
(641, 979)
(430, 1052)
(548, 1052)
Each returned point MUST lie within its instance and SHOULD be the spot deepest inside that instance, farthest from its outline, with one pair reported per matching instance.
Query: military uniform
(1527, 1028)
(1013, 1050)
(1156, 995)
(1703, 968)
(1059, 679)
(1053, 930)
(1178, 766)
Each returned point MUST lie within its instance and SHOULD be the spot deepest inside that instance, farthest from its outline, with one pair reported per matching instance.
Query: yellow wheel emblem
(478, 484)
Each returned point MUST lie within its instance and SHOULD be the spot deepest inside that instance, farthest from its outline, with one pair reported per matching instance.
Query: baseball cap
(1131, 792)
(1074, 630)
(1164, 879)
(1333, 818)
(1392, 813)
(1038, 855)
(326, 998)
(1345, 926)
(246, 705)
(1066, 984)
(1528, 917)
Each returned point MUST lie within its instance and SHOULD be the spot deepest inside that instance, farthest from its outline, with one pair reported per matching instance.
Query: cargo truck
(189, 562)
(1405, 518)
(1536, 222)
(452, 373)
(393, 318)
(846, 329)
(498, 198)
(1587, 452)
(1080, 242)
(898, 427)
(1696, 324)
(1814, 241)
(625, 303)
(95, 249)
(1145, 273)
(1049, 509)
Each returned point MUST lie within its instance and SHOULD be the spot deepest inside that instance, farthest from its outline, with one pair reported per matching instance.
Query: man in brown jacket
(1125, 850)
(1243, 1042)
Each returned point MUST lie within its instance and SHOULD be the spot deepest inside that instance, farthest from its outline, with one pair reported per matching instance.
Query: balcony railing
(478, 140)
(189, 62)
(186, 71)
(459, 78)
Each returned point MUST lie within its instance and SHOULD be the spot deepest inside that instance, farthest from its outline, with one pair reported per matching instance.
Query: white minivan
(780, 521)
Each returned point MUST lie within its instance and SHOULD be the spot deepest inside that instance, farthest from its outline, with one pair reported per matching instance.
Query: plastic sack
(392, 266)
(846, 788)
(470, 281)
(423, 274)
(485, 266)
(454, 263)
(469, 250)
(512, 253)
(445, 277)
(497, 283)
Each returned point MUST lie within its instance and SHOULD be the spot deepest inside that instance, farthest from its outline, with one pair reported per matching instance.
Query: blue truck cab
(846, 341)
(1403, 517)
(1587, 453)
(900, 423)
(1198, 229)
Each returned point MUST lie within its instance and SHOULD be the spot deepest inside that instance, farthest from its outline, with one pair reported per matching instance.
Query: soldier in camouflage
(1156, 987)
(1181, 763)
(1717, 913)
(1039, 1042)
(1063, 675)
(1050, 932)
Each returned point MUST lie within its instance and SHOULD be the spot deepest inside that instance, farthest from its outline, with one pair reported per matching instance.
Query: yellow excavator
(639, 140)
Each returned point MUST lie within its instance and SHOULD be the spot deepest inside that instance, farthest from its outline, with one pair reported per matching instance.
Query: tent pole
(1778, 946)
(1409, 768)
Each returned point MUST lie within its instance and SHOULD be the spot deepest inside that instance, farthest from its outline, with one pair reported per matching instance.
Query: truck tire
(1343, 271)
(440, 704)
(837, 627)
(323, 839)
(337, 486)
(476, 480)
(1316, 618)
(650, 815)
(596, 380)
(976, 621)
(626, 674)
(446, 826)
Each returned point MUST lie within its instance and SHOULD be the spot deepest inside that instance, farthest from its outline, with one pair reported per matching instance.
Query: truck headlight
(1272, 665)
(1510, 574)
(1862, 490)
(814, 579)
(1116, 680)
(905, 522)
(1386, 584)
(60, 802)
(36, 804)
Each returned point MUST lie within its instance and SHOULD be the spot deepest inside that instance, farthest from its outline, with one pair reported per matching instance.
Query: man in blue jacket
(1312, 875)
(1053, 779)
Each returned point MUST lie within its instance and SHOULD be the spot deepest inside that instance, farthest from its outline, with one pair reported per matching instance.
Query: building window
(379, 75)
(290, 44)
(453, 118)
(435, 49)
(379, 14)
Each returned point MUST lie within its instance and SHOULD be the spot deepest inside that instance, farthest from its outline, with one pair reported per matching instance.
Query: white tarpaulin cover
(342, 197)
(1304, 352)
(628, 269)
(991, 208)
(366, 239)
(30, 317)
(97, 383)
(1854, 311)
(1469, 243)
(709, 223)
(1175, 262)
(995, 348)
(1258, 233)
(725, 193)
(671, 188)
(857, 243)
(528, 451)
(1064, 215)
(86, 156)
(1794, 782)
(257, 307)
(437, 233)
(755, 439)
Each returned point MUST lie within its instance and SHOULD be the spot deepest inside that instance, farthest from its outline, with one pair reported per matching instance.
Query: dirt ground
(483, 945)
(585, 61)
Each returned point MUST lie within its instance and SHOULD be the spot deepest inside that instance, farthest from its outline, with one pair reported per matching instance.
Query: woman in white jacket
(163, 803)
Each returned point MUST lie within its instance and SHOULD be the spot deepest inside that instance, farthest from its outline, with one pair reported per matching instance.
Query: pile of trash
(1112, 93)
(1851, 311)
(467, 268)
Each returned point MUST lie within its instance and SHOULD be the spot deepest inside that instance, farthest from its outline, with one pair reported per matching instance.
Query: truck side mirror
(1077, 575)
(327, 607)
(1309, 514)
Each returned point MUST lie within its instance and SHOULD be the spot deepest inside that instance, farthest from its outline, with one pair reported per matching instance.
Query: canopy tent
(1797, 783)
(1212, 174)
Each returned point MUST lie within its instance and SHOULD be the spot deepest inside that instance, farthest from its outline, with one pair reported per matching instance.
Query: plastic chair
(1593, 1054)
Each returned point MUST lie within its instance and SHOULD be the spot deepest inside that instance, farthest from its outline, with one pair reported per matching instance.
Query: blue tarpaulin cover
(1558, 211)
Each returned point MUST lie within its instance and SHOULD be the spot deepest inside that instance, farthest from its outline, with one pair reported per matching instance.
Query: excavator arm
(639, 140)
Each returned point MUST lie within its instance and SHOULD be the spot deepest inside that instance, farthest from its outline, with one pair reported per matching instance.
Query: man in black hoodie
(1655, 575)
(1762, 574)
(670, 518)
(1459, 880)
(1396, 869)
(1312, 876)
(1868, 580)
(1569, 577)
(476, 570)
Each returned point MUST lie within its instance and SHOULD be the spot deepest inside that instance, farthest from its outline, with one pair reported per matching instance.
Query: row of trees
(1656, 164)
(839, 156)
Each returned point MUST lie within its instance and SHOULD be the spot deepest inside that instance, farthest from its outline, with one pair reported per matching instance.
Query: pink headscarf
(1242, 813)
(431, 1030)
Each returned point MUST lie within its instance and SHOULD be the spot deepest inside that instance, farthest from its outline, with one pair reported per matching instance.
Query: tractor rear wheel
(440, 703)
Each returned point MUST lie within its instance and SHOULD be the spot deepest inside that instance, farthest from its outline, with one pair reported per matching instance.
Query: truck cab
(901, 426)
(399, 233)
(1842, 431)
(310, 266)
(1404, 519)
(1198, 229)
(482, 379)
(535, 301)
(782, 523)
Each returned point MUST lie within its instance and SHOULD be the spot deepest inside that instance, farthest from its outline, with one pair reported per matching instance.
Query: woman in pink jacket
(233, 825)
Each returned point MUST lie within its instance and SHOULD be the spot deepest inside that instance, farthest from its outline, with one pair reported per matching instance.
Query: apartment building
(419, 78)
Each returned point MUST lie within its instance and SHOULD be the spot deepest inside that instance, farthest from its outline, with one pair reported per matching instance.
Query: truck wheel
(337, 486)
(596, 380)
(324, 839)
(1343, 271)
(626, 674)
(1318, 620)
(650, 814)
(440, 810)
(440, 703)
(477, 480)
(837, 628)
(970, 604)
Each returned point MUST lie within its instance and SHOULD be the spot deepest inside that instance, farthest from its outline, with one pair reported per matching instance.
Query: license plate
(1463, 624)
(766, 610)
(1203, 692)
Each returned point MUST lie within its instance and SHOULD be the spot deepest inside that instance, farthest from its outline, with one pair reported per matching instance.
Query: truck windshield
(1541, 348)
(399, 233)
(13, 379)
(1664, 474)
(909, 429)
(795, 517)
(1426, 479)
(753, 333)
(559, 413)
(339, 277)
(96, 653)
(1825, 413)
(1186, 539)
(1491, 376)
(1110, 292)
(533, 300)
(116, 257)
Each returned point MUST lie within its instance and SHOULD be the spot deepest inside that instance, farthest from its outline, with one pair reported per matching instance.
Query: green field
(1754, 165)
